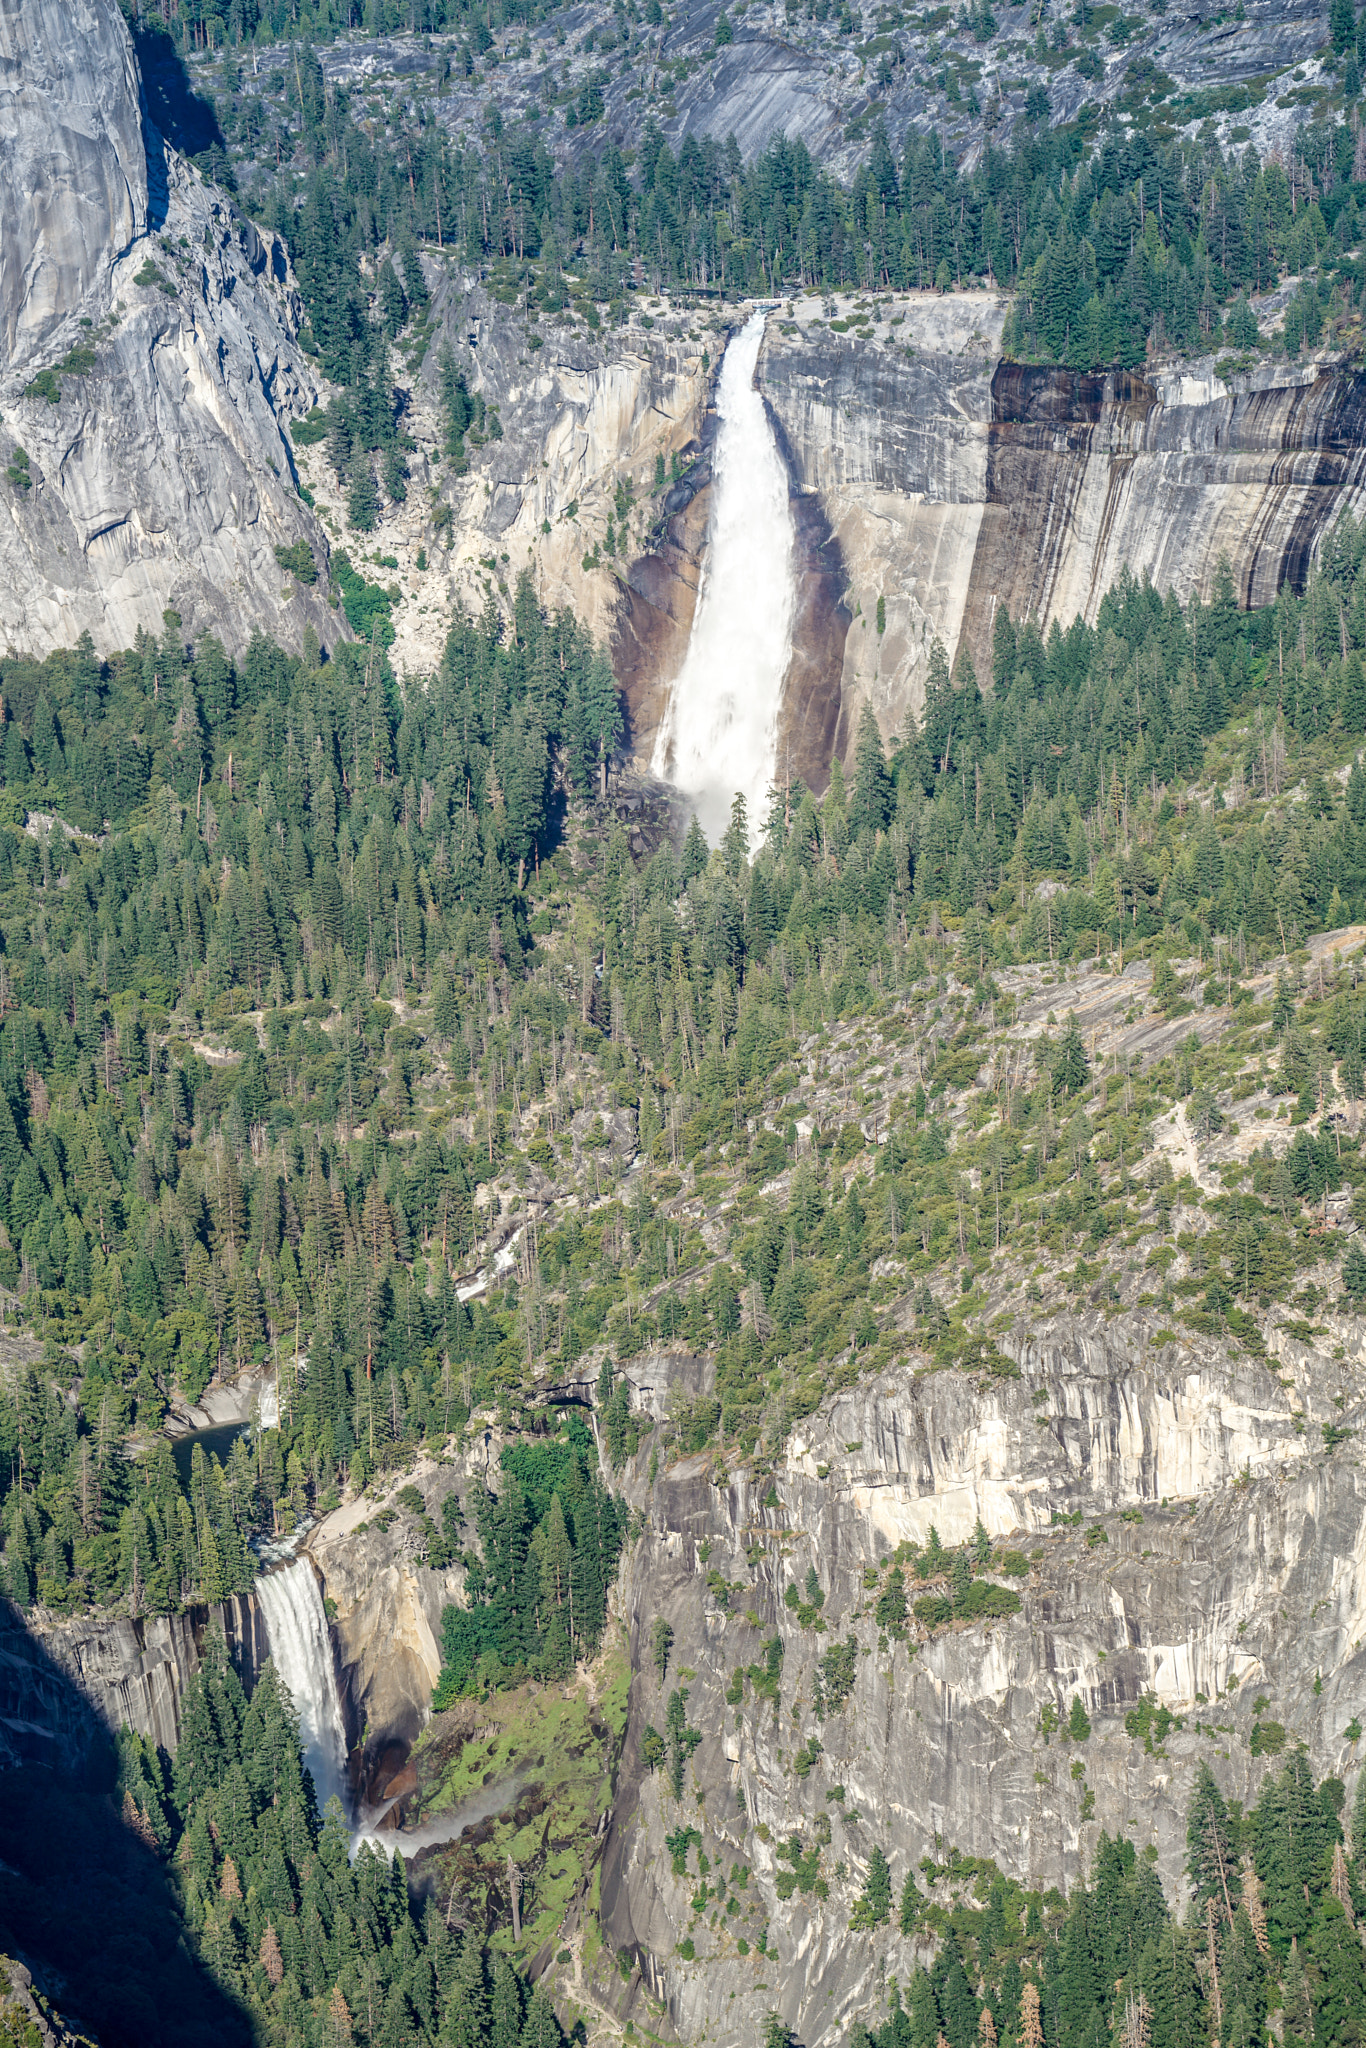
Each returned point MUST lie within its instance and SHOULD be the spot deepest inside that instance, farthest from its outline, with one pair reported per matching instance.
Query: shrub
(835, 1677)
(985, 1602)
(873, 1907)
(890, 1612)
(934, 1610)
(298, 560)
(678, 1845)
(1268, 1738)
(307, 432)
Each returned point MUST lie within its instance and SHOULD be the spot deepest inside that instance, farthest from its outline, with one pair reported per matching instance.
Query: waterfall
(296, 1627)
(720, 732)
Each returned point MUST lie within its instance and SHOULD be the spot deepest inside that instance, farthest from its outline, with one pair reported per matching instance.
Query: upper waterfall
(720, 732)
(296, 1626)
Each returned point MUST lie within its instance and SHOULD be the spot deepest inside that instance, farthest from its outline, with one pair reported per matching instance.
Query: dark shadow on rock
(158, 176)
(186, 118)
(84, 1901)
(810, 725)
(659, 594)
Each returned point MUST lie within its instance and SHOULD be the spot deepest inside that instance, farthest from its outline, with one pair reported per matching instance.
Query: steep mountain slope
(821, 75)
(148, 366)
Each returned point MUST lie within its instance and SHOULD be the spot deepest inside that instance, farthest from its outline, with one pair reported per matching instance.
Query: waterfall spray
(296, 1626)
(720, 732)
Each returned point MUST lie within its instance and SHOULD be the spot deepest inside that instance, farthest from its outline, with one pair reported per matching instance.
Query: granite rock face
(953, 481)
(1227, 1582)
(73, 173)
(387, 1623)
(161, 469)
(129, 1671)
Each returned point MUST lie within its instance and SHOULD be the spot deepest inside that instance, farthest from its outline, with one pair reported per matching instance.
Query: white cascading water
(296, 1627)
(720, 732)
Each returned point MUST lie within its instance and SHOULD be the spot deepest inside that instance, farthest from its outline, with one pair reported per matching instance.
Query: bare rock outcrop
(73, 173)
(135, 1672)
(60, 1681)
(386, 1603)
(149, 365)
(1218, 1572)
(579, 418)
(954, 481)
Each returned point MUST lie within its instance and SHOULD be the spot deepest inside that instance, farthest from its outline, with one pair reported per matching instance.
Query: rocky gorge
(154, 366)
(1218, 1583)
(1102, 1377)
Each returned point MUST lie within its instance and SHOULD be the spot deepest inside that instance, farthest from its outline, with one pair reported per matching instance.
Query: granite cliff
(1220, 1575)
(953, 480)
(149, 365)
(931, 480)
(111, 1671)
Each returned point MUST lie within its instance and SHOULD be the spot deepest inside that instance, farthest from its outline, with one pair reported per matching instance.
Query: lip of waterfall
(720, 732)
(296, 1627)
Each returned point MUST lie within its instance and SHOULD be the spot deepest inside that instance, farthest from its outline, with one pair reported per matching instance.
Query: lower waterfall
(296, 1626)
(720, 732)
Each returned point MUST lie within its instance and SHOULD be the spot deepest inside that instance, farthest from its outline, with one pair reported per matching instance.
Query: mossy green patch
(615, 1695)
(554, 1751)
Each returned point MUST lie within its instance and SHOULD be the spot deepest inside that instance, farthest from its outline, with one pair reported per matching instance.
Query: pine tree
(957, 2003)
(1031, 2024)
(1078, 1987)
(362, 500)
(693, 863)
(541, 2028)
(1291, 1836)
(339, 2018)
(1297, 2011)
(911, 1903)
(1071, 1067)
(871, 802)
(1340, 1989)
(1208, 1858)
(506, 2011)
(1240, 1968)
(272, 1962)
(873, 1907)
(921, 2022)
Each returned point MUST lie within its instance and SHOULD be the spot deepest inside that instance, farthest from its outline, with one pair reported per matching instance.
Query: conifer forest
(617, 1429)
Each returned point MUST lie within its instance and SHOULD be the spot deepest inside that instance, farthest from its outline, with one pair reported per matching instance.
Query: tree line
(1272, 1931)
(536, 1591)
(309, 1944)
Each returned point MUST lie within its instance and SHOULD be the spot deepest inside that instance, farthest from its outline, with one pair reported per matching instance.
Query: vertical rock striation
(953, 481)
(73, 173)
(149, 365)
(130, 1672)
(1221, 1572)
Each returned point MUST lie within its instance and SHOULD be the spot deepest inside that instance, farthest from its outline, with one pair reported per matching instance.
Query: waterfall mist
(296, 1626)
(720, 732)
